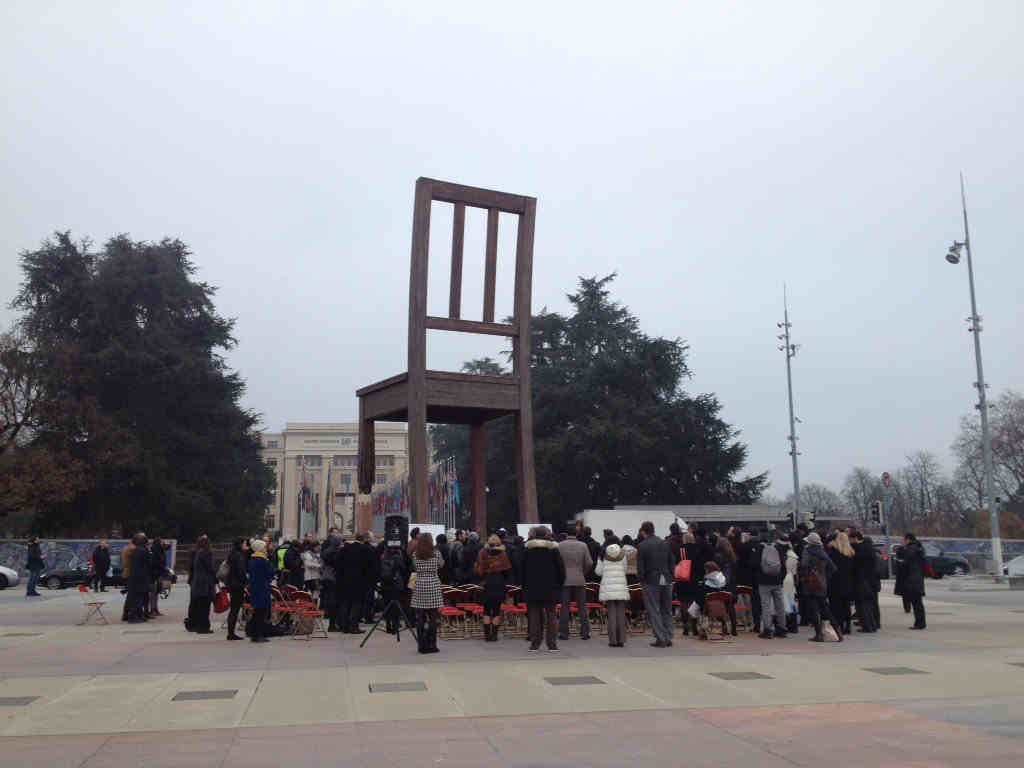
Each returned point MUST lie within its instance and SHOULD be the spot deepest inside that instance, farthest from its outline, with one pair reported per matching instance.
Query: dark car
(60, 578)
(939, 562)
(944, 563)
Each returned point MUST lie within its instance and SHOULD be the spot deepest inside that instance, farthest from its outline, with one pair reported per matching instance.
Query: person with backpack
(395, 568)
(816, 570)
(766, 559)
(495, 569)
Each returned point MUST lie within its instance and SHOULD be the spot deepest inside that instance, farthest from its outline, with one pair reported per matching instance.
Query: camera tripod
(402, 619)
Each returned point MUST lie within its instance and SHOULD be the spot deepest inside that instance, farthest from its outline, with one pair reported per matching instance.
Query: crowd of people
(801, 579)
(829, 582)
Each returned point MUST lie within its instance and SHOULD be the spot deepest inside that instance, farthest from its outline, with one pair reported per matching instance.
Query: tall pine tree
(133, 346)
(612, 422)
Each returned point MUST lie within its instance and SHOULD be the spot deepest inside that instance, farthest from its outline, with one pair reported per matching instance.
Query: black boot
(432, 639)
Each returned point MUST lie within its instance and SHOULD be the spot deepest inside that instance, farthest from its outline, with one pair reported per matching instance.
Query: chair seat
(452, 398)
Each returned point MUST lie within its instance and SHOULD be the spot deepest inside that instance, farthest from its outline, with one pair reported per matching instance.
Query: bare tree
(1008, 443)
(860, 488)
(1007, 429)
(823, 501)
(922, 475)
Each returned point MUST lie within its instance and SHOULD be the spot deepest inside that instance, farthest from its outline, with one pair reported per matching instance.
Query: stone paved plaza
(154, 695)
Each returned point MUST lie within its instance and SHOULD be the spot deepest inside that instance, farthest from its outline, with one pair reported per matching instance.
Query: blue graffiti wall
(65, 553)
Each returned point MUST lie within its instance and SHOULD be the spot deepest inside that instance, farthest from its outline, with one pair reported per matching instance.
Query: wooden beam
(471, 326)
(478, 461)
(458, 236)
(491, 264)
(447, 192)
(366, 451)
(521, 366)
(417, 371)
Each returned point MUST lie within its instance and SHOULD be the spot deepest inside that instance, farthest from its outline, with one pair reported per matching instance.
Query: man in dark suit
(355, 577)
(654, 567)
(100, 566)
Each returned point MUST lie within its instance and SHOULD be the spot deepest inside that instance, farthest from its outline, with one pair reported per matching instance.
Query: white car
(1015, 567)
(8, 577)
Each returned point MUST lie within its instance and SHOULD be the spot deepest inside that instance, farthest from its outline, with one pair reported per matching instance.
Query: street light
(790, 349)
(989, 502)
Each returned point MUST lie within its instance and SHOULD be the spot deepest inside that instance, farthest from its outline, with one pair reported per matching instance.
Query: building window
(271, 443)
(385, 461)
(344, 461)
(270, 523)
(346, 480)
(382, 479)
(271, 462)
(310, 461)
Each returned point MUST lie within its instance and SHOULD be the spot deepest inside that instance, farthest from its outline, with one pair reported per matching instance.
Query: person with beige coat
(578, 562)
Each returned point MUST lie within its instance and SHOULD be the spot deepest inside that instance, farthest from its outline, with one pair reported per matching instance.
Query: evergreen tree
(132, 348)
(612, 423)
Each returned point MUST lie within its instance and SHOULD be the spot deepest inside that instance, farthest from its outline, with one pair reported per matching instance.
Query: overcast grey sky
(707, 152)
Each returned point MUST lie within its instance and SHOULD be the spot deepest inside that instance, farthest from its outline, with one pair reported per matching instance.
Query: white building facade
(325, 454)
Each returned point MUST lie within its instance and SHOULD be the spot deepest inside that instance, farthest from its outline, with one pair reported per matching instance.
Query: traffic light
(875, 512)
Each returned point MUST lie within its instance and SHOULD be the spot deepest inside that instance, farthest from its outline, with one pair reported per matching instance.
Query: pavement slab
(106, 695)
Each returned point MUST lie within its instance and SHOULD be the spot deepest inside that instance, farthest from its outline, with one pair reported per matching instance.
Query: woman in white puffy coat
(789, 589)
(614, 593)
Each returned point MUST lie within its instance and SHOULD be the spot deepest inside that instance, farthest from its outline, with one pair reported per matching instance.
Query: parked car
(940, 562)
(945, 564)
(60, 578)
(1015, 567)
(8, 577)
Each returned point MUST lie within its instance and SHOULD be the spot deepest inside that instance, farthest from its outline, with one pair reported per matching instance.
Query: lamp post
(989, 503)
(790, 350)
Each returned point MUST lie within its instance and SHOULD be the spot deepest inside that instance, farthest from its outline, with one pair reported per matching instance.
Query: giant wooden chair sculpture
(419, 396)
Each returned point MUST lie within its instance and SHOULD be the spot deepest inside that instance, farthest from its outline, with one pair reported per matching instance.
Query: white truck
(627, 521)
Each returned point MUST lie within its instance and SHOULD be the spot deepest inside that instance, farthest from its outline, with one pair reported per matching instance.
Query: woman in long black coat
(203, 581)
(863, 581)
(238, 571)
(137, 585)
(840, 587)
(913, 561)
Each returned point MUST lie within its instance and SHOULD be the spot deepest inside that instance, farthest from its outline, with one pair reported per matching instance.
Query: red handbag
(222, 601)
(683, 568)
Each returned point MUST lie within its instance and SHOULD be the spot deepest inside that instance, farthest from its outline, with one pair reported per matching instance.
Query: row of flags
(443, 496)
(309, 498)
